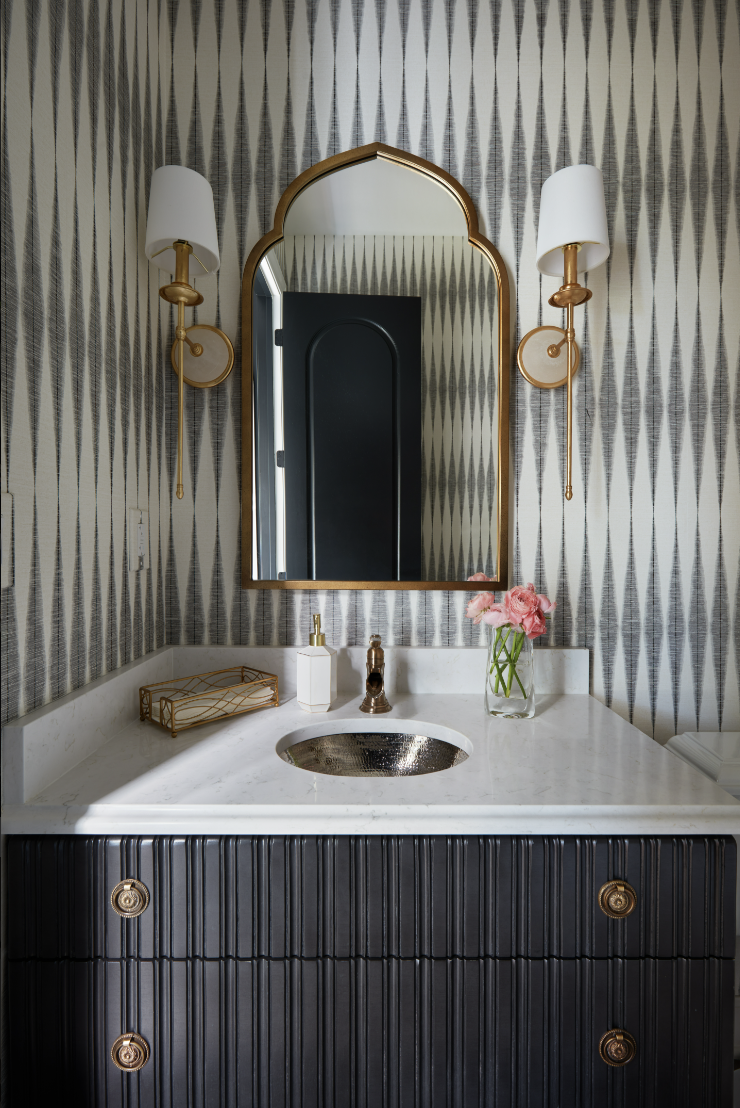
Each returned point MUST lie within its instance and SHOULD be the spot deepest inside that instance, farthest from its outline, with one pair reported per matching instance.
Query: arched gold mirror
(375, 355)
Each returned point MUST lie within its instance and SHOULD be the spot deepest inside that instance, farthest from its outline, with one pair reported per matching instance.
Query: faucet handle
(375, 655)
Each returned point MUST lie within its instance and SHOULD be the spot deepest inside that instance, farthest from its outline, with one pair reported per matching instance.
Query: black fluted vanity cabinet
(372, 971)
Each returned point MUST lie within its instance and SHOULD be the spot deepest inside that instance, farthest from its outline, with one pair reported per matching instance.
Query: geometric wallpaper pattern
(457, 287)
(97, 93)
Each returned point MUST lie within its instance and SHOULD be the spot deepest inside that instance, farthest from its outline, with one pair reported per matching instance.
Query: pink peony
(534, 624)
(520, 601)
(478, 605)
(546, 606)
(521, 608)
(495, 616)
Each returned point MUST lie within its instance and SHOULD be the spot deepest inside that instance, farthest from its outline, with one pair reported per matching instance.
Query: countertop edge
(372, 820)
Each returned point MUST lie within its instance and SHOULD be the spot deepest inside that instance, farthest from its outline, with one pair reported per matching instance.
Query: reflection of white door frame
(276, 283)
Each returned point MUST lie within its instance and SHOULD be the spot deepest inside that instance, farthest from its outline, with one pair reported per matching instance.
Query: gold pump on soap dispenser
(317, 636)
(316, 672)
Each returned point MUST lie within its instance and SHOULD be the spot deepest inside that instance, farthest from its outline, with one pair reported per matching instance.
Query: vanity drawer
(374, 896)
(518, 1033)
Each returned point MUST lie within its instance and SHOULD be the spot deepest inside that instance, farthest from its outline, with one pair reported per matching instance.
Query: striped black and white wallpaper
(459, 401)
(96, 93)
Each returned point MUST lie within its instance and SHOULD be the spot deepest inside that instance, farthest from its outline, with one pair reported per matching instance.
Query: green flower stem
(511, 659)
(495, 651)
(518, 644)
(499, 645)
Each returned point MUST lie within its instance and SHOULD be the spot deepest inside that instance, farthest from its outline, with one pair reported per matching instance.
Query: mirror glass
(375, 387)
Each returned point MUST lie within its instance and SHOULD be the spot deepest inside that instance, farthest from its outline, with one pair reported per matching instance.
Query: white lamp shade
(572, 209)
(181, 207)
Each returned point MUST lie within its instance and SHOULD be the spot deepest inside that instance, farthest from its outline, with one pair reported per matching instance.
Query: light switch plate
(6, 543)
(138, 540)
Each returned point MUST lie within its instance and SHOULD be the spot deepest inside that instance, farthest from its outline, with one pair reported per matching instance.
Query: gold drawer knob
(617, 1047)
(617, 899)
(130, 1052)
(129, 898)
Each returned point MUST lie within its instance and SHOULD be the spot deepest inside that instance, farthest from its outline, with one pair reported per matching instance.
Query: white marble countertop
(715, 753)
(575, 768)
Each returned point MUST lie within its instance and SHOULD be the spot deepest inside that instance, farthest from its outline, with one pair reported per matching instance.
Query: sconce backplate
(213, 361)
(537, 365)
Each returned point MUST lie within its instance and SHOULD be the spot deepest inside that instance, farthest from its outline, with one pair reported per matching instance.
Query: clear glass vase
(509, 674)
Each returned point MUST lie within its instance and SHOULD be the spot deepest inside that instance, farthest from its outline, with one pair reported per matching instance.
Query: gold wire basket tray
(185, 702)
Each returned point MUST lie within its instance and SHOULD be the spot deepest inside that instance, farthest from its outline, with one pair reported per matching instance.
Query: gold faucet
(375, 700)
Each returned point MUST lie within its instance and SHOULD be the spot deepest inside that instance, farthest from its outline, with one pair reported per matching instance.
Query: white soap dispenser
(317, 672)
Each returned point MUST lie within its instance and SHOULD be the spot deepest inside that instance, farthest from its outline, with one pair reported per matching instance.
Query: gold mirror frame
(475, 238)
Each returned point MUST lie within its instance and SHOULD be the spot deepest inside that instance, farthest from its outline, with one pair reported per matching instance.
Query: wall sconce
(572, 238)
(181, 234)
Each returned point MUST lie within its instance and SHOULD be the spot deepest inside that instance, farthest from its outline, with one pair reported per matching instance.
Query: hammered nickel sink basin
(365, 748)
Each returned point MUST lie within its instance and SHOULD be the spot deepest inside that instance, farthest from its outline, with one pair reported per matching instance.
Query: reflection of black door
(264, 428)
(352, 410)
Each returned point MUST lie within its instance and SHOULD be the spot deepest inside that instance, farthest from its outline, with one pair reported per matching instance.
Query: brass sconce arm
(568, 296)
(181, 293)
